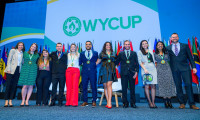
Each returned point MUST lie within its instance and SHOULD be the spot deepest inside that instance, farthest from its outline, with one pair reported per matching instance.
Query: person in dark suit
(59, 66)
(179, 55)
(88, 59)
(129, 70)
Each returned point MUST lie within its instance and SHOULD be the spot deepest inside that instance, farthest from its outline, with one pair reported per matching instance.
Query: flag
(154, 48)
(194, 76)
(197, 46)
(68, 48)
(196, 59)
(115, 47)
(131, 45)
(46, 47)
(3, 63)
(63, 49)
(118, 48)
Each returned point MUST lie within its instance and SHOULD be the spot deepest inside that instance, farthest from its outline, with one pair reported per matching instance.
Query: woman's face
(33, 48)
(107, 46)
(20, 46)
(73, 48)
(159, 46)
(45, 53)
(145, 45)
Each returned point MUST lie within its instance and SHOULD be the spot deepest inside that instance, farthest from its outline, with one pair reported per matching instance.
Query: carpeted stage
(143, 112)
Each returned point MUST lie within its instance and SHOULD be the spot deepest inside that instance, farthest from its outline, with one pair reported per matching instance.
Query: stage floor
(100, 112)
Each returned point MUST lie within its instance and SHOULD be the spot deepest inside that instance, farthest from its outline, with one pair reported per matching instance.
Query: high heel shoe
(166, 105)
(150, 106)
(106, 106)
(109, 107)
(170, 105)
(5, 105)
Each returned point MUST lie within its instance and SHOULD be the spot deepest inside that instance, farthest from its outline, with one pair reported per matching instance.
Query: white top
(19, 57)
(73, 61)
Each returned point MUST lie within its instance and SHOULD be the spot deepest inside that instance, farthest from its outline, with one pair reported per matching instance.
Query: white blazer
(12, 61)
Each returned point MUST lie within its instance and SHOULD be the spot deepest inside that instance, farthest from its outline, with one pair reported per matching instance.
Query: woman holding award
(166, 85)
(107, 73)
(72, 76)
(44, 78)
(28, 73)
(148, 71)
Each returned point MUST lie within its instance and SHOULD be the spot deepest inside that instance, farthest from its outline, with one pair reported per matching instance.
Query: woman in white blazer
(12, 71)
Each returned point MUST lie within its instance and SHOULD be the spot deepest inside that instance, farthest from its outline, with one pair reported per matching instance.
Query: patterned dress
(29, 71)
(166, 86)
(149, 66)
(107, 70)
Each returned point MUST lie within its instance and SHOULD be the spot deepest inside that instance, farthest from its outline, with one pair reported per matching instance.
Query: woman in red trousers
(72, 77)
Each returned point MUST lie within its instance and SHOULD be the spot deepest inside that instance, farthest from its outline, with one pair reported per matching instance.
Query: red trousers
(72, 79)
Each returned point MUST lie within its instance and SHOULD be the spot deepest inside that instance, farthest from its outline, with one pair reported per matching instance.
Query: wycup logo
(72, 26)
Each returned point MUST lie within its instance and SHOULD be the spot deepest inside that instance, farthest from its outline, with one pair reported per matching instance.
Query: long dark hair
(104, 48)
(16, 47)
(141, 48)
(163, 50)
(36, 49)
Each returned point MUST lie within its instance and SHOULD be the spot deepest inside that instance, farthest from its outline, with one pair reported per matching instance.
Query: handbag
(147, 78)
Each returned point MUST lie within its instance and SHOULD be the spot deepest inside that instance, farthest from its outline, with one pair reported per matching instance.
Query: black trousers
(43, 83)
(125, 80)
(58, 78)
(187, 79)
(11, 84)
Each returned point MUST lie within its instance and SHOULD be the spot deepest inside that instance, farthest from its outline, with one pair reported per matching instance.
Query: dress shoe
(10, 105)
(94, 104)
(182, 106)
(194, 107)
(133, 106)
(125, 105)
(106, 106)
(52, 104)
(84, 104)
(60, 104)
(109, 107)
(5, 105)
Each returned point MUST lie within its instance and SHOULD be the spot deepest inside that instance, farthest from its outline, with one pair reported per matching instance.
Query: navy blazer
(180, 62)
(88, 67)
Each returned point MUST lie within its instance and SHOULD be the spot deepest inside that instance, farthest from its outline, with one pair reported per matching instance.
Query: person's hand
(135, 75)
(146, 71)
(194, 70)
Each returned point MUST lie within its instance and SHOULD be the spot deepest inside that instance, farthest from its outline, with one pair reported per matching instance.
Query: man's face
(174, 38)
(127, 45)
(59, 47)
(88, 45)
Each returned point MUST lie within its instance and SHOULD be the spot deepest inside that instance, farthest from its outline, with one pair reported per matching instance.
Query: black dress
(107, 70)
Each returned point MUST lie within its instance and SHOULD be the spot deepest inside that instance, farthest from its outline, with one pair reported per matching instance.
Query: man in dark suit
(129, 70)
(88, 59)
(179, 55)
(59, 66)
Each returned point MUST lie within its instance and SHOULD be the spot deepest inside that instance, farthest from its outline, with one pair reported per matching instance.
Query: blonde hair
(76, 51)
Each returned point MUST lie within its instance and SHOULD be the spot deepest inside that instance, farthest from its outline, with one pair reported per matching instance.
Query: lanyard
(87, 55)
(162, 56)
(30, 57)
(108, 54)
(72, 59)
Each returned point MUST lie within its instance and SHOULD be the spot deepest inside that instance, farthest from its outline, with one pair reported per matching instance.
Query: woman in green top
(28, 73)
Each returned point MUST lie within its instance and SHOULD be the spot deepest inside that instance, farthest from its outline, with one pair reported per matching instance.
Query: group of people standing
(162, 73)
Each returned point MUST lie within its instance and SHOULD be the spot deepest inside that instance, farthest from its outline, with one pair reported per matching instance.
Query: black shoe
(166, 105)
(21, 105)
(10, 105)
(170, 105)
(5, 105)
(133, 106)
(52, 104)
(125, 105)
(60, 104)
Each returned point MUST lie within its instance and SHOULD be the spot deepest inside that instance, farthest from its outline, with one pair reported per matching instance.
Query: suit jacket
(58, 65)
(180, 62)
(12, 61)
(133, 66)
(88, 67)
